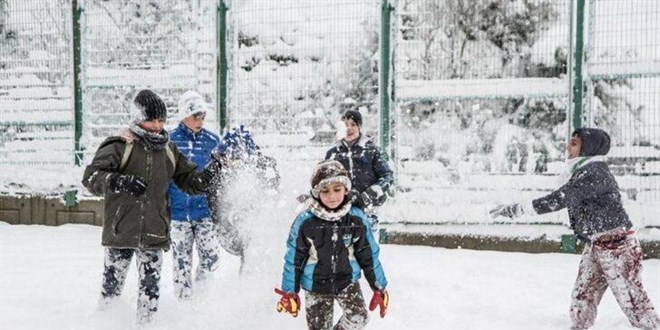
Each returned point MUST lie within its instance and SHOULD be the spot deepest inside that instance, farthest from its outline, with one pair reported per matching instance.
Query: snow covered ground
(50, 278)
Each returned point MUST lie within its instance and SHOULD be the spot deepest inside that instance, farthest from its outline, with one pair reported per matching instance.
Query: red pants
(616, 263)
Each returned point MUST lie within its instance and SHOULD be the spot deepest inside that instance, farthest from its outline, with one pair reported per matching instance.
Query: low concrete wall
(49, 210)
(495, 243)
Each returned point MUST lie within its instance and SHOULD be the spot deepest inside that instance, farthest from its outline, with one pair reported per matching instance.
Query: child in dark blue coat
(612, 255)
(367, 167)
(329, 246)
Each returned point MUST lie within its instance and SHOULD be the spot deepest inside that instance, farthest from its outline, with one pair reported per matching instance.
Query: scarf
(329, 215)
(153, 141)
(574, 164)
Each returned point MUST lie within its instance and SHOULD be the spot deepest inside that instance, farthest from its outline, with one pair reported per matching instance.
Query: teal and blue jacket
(326, 256)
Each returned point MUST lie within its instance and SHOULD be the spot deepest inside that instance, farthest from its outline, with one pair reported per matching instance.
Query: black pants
(319, 309)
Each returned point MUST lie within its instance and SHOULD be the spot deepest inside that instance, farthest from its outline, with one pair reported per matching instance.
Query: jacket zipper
(333, 262)
(146, 200)
(349, 154)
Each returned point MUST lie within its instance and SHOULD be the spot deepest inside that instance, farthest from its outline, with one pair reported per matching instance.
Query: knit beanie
(328, 172)
(353, 114)
(191, 103)
(148, 106)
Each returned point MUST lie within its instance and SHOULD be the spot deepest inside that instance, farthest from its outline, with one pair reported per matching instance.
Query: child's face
(153, 126)
(352, 130)
(195, 122)
(332, 195)
(573, 147)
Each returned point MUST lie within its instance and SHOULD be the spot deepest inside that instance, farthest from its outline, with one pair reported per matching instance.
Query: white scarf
(574, 164)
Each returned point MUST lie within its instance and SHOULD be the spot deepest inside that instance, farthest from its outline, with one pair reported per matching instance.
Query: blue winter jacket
(197, 147)
(326, 256)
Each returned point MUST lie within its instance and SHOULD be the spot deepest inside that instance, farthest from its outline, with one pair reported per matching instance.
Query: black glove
(372, 196)
(128, 183)
(302, 198)
(211, 171)
(376, 194)
(354, 197)
(509, 211)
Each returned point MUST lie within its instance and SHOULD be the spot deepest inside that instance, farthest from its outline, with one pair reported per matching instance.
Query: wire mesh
(479, 39)
(480, 87)
(36, 124)
(167, 46)
(482, 93)
(623, 79)
(298, 64)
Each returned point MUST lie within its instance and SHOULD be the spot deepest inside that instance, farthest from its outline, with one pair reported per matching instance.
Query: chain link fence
(168, 46)
(482, 98)
(36, 98)
(481, 89)
(298, 65)
(622, 94)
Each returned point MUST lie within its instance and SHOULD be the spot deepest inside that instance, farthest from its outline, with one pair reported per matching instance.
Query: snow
(410, 90)
(51, 278)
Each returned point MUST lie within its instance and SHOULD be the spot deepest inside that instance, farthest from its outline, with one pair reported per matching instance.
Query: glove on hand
(303, 198)
(510, 211)
(380, 298)
(372, 196)
(128, 183)
(212, 170)
(289, 303)
(376, 194)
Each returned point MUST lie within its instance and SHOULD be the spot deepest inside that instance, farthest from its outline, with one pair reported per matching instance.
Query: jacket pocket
(160, 228)
(122, 213)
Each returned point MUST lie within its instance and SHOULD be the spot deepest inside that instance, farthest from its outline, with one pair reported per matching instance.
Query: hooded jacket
(591, 194)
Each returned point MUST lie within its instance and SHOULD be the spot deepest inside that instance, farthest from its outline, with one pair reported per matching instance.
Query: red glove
(290, 302)
(381, 298)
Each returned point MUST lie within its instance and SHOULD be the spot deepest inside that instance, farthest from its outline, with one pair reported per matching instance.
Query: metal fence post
(77, 90)
(578, 84)
(222, 67)
(386, 12)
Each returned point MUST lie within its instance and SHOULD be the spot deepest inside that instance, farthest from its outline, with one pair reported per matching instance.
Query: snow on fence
(480, 90)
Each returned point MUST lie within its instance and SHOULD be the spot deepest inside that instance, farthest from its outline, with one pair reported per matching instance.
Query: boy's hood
(595, 141)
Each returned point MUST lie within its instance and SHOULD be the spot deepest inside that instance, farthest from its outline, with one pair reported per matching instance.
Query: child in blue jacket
(329, 245)
(612, 256)
(192, 223)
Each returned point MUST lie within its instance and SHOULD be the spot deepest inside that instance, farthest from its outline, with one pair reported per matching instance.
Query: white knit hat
(191, 103)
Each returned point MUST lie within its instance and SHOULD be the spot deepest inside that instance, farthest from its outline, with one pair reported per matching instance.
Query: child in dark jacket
(367, 167)
(132, 171)
(329, 245)
(612, 255)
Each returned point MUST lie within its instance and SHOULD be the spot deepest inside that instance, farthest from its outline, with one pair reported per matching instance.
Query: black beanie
(150, 106)
(352, 114)
(595, 141)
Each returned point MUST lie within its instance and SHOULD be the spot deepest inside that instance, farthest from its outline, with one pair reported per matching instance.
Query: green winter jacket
(139, 222)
